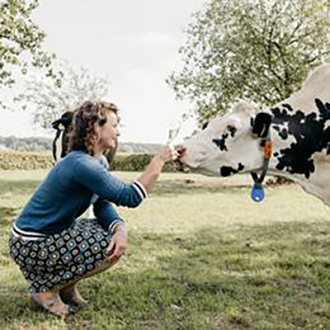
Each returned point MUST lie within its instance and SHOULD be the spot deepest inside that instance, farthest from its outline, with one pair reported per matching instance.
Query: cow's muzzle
(180, 166)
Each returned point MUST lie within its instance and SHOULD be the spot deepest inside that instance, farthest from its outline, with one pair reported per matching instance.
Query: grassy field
(202, 255)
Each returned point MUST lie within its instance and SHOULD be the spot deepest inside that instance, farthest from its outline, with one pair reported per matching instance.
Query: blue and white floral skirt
(61, 258)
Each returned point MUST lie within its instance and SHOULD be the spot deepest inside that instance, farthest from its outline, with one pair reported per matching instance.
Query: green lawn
(202, 255)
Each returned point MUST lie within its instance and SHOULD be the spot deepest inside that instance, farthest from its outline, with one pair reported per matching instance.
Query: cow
(290, 139)
(62, 127)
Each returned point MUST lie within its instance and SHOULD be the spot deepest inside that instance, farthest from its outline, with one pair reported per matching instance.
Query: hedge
(16, 160)
(32, 161)
(136, 163)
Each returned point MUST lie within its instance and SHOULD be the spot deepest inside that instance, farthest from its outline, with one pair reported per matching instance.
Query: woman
(53, 249)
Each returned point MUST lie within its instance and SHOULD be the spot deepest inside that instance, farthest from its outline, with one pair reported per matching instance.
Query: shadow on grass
(187, 186)
(166, 187)
(249, 277)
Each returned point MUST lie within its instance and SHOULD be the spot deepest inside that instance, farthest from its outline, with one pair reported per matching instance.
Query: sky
(135, 43)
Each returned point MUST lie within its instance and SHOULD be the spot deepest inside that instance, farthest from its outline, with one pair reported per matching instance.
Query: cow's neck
(300, 162)
(300, 130)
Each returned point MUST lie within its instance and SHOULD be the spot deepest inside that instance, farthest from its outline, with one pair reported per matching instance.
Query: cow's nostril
(180, 150)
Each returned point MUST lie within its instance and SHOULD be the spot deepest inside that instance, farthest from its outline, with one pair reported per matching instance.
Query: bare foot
(70, 295)
(52, 302)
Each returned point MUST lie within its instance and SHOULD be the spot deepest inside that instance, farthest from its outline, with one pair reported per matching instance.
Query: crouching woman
(53, 248)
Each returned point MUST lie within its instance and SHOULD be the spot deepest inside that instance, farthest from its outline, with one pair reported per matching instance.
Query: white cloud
(152, 38)
(148, 107)
(142, 78)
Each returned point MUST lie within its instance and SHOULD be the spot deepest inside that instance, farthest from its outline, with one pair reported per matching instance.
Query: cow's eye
(232, 129)
(205, 125)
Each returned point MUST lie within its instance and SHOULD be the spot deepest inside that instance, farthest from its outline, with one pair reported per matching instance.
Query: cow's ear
(67, 118)
(260, 124)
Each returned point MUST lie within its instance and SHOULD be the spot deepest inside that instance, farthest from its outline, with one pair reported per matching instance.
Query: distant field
(202, 255)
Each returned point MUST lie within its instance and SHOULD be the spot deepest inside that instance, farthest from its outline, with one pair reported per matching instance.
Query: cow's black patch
(232, 130)
(310, 134)
(283, 133)
(287, 106)
(205, 125)
(261, 124)
(228, 170)
(221, 143)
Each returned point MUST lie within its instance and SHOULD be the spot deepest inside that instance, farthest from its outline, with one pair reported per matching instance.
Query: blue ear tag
(258, 193)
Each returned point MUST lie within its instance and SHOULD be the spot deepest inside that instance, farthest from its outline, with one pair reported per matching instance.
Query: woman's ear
(260, 124)
(97, 134)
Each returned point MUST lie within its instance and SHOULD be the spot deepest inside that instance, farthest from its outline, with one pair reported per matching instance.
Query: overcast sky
(135, 43)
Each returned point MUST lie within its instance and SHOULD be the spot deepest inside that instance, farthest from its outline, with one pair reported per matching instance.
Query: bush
(32, 161)
(25, 161)
(136, 163)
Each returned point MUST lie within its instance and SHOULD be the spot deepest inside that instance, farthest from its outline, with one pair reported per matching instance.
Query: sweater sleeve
(92, 175)
(106, 214)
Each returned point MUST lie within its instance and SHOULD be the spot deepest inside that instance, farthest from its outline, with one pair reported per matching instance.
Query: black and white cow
(62, 127)
(299, 128)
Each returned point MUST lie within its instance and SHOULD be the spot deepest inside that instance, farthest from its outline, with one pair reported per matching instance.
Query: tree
(21, 41)
(48, 101)
(261, 50)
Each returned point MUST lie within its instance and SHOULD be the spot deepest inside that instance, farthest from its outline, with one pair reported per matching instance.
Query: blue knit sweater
(71, 186)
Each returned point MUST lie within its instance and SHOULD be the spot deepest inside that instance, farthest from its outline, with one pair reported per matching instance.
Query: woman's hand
(151, 173)
(168, 153)
(118, 244)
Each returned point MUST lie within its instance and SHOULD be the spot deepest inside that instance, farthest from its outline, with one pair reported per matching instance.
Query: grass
(201, 255)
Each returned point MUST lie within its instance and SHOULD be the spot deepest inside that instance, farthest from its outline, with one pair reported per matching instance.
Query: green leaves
(20, 40)
(261, 50)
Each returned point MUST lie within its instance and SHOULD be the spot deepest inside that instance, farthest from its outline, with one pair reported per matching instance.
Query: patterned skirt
(61, 258)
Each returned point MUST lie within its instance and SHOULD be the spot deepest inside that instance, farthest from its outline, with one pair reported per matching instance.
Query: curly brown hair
(83, 125)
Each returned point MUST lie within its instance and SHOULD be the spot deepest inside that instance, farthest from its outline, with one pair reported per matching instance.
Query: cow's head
(229, 144)
(62, 126)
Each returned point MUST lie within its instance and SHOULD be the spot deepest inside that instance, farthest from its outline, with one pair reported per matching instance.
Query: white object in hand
(173, 133)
